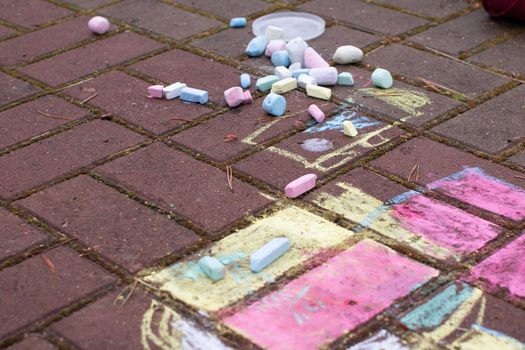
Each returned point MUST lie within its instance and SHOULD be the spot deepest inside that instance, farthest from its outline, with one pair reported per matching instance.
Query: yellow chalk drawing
(249, 140)
(474, 339)
(405, 100)
(308, 234)
(348, 151)
(158, 331)
(356, 205)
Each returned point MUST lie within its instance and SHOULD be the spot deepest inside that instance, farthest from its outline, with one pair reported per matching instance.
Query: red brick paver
(31, 13)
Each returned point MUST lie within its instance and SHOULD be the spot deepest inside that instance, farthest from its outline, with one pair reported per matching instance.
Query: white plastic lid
(294, 24)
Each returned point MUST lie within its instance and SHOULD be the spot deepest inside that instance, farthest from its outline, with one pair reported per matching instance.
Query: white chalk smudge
(317, 145)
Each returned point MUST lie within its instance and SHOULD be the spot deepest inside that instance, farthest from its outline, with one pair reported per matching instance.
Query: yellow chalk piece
(318, 92)
(356, 205)
(308, 235)
(349, 128)
(474, 339)
(285, 85)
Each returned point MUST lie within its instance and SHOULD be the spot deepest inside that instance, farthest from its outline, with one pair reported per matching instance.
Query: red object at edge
(505, 8)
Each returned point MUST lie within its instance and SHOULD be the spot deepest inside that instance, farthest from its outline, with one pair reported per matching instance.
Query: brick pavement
(412, 239)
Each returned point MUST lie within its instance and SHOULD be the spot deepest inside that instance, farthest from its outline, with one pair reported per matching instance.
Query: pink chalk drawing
(333, 298)
(504, 269)
(475, 187)
(443, 224)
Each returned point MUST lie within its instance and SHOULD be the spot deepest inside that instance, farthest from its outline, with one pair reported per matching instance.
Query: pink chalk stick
(313, 60)
(504, 269)
(247, 97)
(476, 188)
(316, 113)
(443, 224)
(335, 297)
(324, 76)
(273, 46)
(98, 24)
(234, 96)
(155, 91)
(301, 185)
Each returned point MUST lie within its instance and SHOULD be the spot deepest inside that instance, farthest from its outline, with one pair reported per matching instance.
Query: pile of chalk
(179, 90)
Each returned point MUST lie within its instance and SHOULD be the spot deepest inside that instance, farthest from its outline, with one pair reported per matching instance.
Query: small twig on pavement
(415, 169)
(89, 98)
(53, 116)
(49, 263)
(229, 137)
(75, 84)
(131, 289)
(229, 174)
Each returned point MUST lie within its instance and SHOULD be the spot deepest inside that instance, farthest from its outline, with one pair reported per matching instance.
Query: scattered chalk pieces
(282, 72)
(265, 83)
(273, 33)
(303, 80)
(324, 76)
(313, 60)
(194, 95)
(345, 78)
(285, 85)
(316, 113)
(348, 54)
(268, 253)
(256, 46)
(212, 268)
(247, 97)
(245, 81)
(274, 104)
(99, 25)
(274, 46)
(349, 128)
(318, 92)
(155, 91)
(174, 90)
(280, 58)
(382, 78)
(301, 185)
(234, 96)
(238, 22)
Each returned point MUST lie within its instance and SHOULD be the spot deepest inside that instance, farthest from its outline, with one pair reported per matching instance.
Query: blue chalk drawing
(434, 312)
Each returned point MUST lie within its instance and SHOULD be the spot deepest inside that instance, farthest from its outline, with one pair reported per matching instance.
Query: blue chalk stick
(194, 95)
(274, 104)
(296, 73)
(212, 268)
(245, 81)
(265, 83)
(345, 78)
(281, 58)
(238, 22)
(268, 253)
(256, 46)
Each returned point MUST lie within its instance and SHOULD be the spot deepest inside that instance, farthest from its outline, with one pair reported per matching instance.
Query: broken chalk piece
(280, 58)
(268, 253)
(297, 73)
(274, 104)
(345, 78)
(273, 33)
(265, 83)
(349, 128)
(285, 85)
(316, 113)
(245, 81)
(256, 46)
(294, 66)
(273, 46)
(318, 92)
(155, 91)
(348, 54)
(234, 96)
(301, 185)
(295, 48)
(194, 95)
(382, 78)
(305, 80)
(247, 97)
(172, 91)
(99, 25)
(324, 76)
(313, 60)
(282, 72)
(212, 268)
(238, 22)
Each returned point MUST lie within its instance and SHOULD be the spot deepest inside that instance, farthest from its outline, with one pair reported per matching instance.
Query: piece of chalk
(345, 78)
(313, 60)
(173, 90)
(324, 76)
(295, 48)
(194, 95)
(155, 91)
(273, 46)
(382, 78)
(234, 96)
(212, 268)
(247, 97)
(348, 54)
(98, 25)
(273, 33)
(256, 46)
(305, 80)
(265, 83)
(285, 85)
(349, 128)
(318, 92)
(238, 22)
(268, 253)
(301, 185)
(282, 72)
(294, 66)
(245, 81)
(274, 104)
(316, 113)
(296, 73)
(280, 58)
